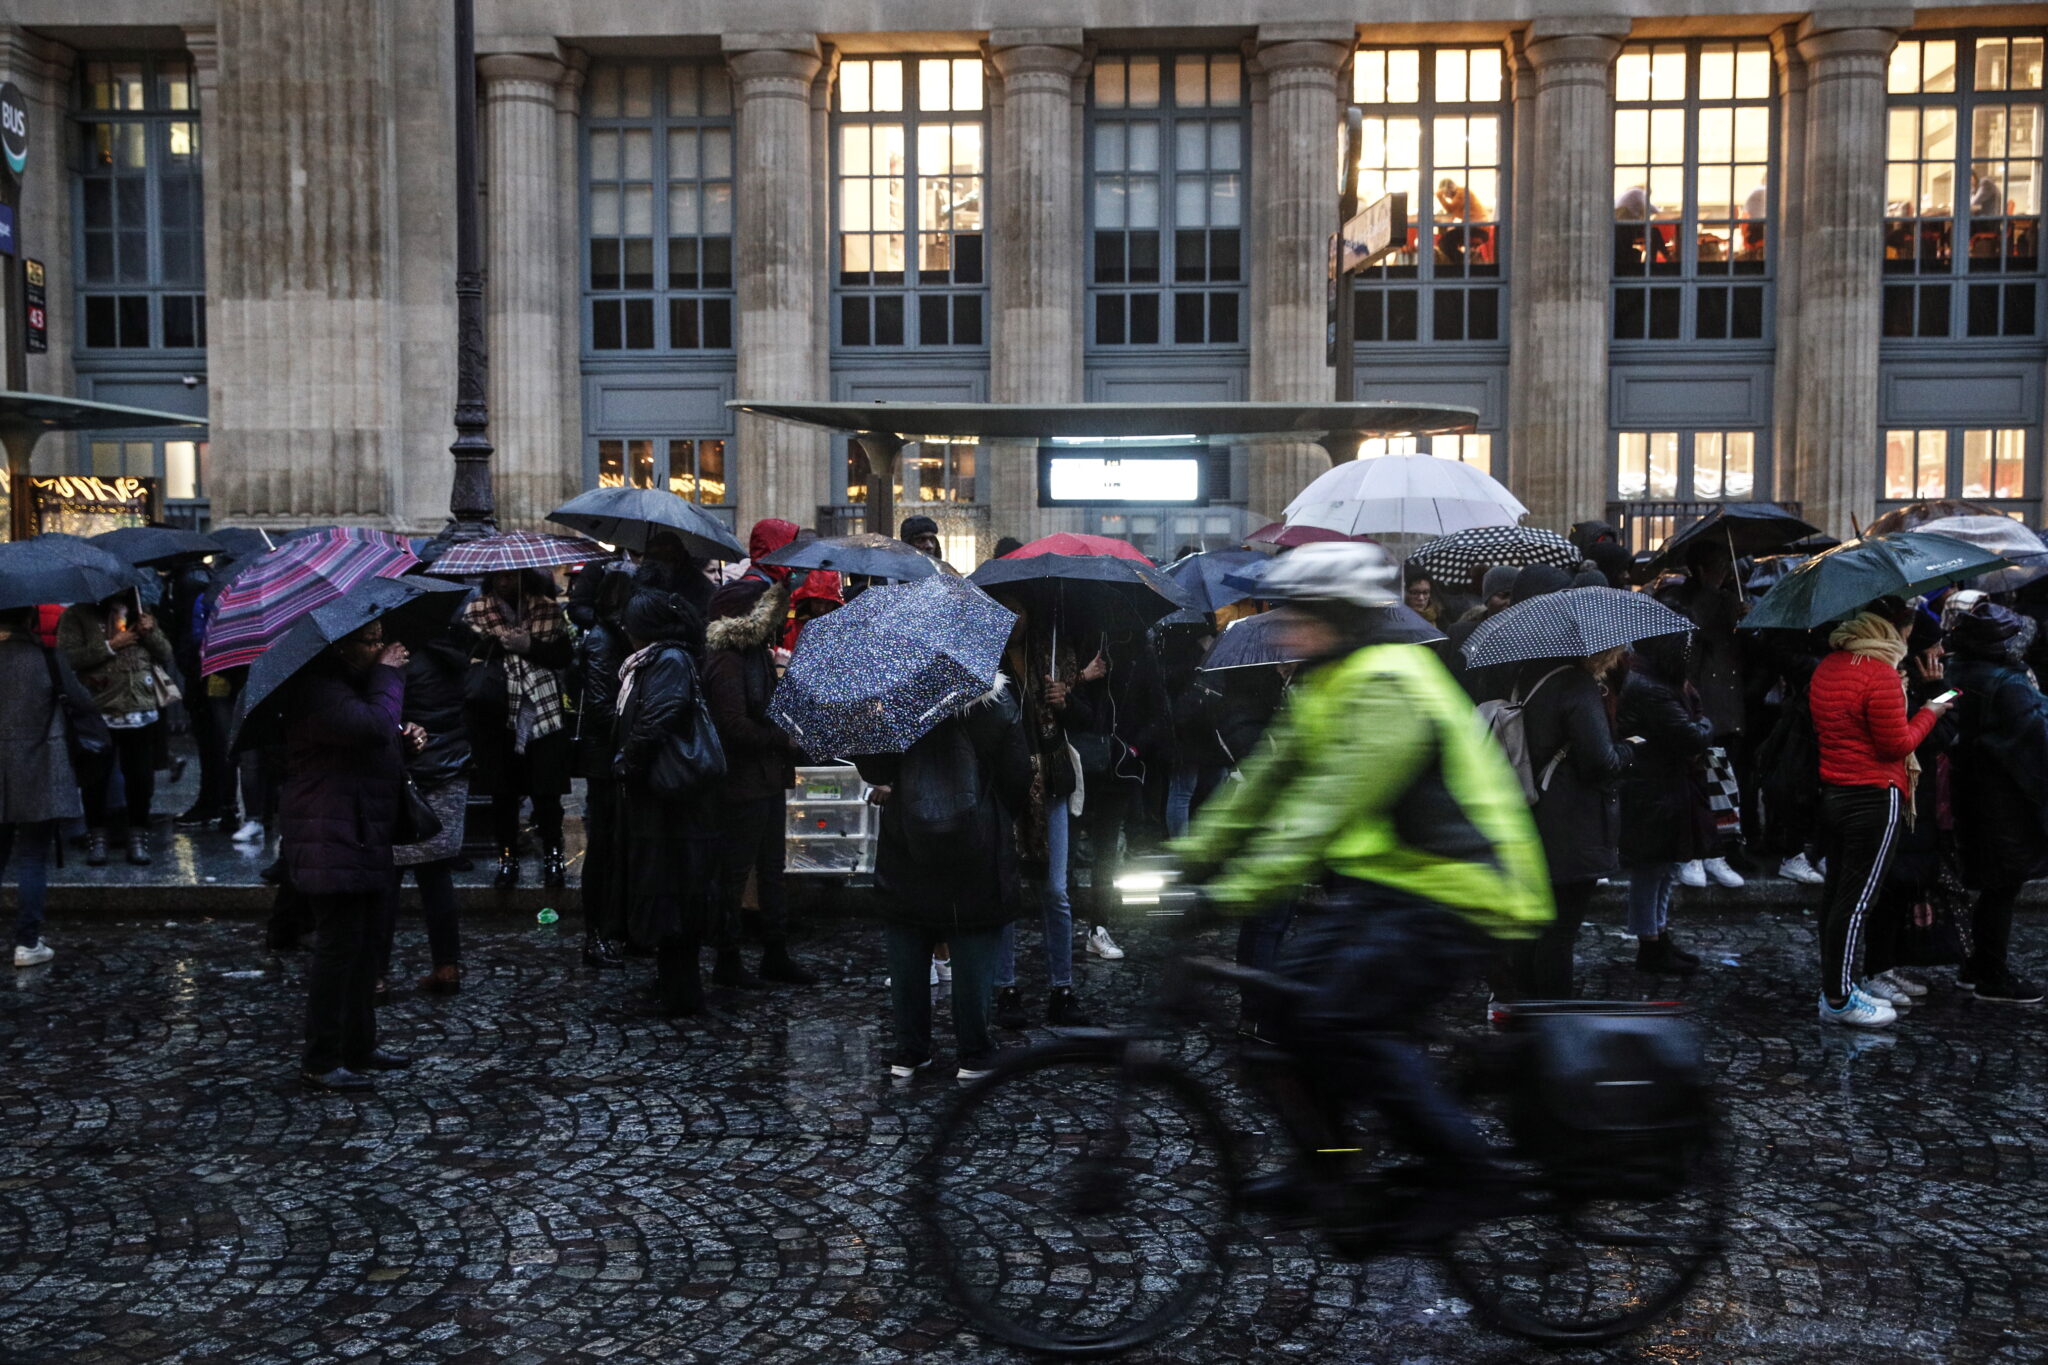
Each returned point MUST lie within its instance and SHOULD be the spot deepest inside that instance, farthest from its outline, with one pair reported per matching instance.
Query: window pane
(1707, 452)
(1451, 70)
(1109, 83)
(1191, 81)
(966, 84)
(856, 94)
(935, 85)
(1938, 66)
(888, 87)
(1226, 81)
(1404, 76)
(181, 469)
(1976, 464)
(637, 92)
(1143, 84)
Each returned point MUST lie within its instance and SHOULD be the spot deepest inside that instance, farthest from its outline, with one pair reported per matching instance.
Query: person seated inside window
(1457, 205)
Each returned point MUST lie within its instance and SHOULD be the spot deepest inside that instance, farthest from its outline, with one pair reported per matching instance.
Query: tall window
(1686, 466)
(1980, 464)
(1166, 147)
(140, 230)
(1435, 131)
(1692, 194)
(1473, 448)
(657, 153)
(690, 469)
(1962, 251)
(912, 268)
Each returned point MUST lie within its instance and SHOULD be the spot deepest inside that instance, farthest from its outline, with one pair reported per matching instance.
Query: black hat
(1984, 629)
(917, 526)
(1535, 580)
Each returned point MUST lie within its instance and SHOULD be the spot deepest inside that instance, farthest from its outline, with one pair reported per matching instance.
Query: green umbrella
(1836, 583)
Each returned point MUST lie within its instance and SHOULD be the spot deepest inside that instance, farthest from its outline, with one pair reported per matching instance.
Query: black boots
(552, 872)
(731, 970)
(1010, 1008)
(1062, 1010)
(508, 870)
(682, 988)
(1658, 957)
(777, 965)
(138, 849)
(600, 952)
(96, 848)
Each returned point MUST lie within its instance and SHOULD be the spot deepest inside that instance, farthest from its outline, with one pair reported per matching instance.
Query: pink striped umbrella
(277, 588)
(517, 550)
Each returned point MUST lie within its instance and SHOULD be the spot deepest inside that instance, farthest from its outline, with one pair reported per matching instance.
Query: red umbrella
(1069, 543)
(1287, 537)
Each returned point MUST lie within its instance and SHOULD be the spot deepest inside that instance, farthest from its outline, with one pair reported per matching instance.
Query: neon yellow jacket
(1379, 769)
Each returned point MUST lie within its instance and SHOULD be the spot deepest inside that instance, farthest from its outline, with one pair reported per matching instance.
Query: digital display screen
(1070, 475)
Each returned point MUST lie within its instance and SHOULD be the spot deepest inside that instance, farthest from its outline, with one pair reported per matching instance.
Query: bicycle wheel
(1572, 1269)
(1082, 1197)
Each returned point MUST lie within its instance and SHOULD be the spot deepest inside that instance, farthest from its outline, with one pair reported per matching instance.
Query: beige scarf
(1870, 636)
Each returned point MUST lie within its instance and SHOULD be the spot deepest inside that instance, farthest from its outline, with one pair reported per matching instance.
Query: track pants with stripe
(1860, 829)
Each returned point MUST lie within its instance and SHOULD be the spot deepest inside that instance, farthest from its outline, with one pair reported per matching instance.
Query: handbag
(683, 764)
(166, 687)
(417, 823)
(86, 738)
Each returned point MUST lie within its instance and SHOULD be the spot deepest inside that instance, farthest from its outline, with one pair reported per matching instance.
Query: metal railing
(1646, 524)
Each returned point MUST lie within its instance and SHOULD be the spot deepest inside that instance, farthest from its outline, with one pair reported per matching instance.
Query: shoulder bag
(86, 739)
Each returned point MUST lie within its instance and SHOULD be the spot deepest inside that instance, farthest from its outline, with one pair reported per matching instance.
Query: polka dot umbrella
(1456, 557)
(1574, 624)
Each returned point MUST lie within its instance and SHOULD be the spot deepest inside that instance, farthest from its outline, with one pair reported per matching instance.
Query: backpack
(940, 788)
(1507, 722)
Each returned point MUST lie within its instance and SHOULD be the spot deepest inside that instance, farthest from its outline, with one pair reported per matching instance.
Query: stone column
(1298, 188)
(1521, 155)
(569, 270)
(43, 231)
(1835, 445)
(782, 470)
(530, 472)
(1035, 251)
(299, 210)
(1560, 429)
(1790, 177)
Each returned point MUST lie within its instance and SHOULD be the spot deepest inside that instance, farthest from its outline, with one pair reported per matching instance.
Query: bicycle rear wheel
(1082, 1198)
(1579, 1269)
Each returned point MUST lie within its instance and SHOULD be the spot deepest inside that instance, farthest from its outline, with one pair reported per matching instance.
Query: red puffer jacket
(1859, 716)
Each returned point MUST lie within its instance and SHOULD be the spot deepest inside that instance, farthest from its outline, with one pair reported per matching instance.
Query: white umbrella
(2004, 537)
(1404, 495)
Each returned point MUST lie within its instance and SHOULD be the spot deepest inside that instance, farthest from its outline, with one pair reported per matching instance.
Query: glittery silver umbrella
(874, 676)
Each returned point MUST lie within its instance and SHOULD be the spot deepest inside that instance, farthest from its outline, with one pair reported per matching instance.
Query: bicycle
(1126, 1186)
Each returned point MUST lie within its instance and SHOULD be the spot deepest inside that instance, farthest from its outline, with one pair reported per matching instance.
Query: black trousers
(603, 907)
(135, 755)
(1103, 816)
(437, 907)
(1541, 968)
(1859, 833)
(341, 1010)
(1991, 932)
(751, 840)
(211, 717)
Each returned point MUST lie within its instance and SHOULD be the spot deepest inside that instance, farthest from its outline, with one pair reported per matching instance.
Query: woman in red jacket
(1866, 741)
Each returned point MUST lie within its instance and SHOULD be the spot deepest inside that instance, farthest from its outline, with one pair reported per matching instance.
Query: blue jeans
(31, 877)
(1187, 783)
(1649, 897)
(910, 996)
(1058, 919)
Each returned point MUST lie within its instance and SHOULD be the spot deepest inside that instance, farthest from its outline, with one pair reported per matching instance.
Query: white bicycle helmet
(1348, 571)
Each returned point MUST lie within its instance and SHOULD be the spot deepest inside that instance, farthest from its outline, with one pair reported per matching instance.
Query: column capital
(1319, 56)
(1568, 51)
(203, 42)
(575, 71)
(1823, 40)
(515, 68)
(1344, 34)
(758, 70)
(733, 44)
(1013, 61)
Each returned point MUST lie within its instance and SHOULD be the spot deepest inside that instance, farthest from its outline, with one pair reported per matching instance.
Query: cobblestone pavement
(564, 1177)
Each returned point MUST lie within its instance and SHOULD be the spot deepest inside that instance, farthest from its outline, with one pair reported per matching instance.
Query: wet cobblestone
(563, 1177)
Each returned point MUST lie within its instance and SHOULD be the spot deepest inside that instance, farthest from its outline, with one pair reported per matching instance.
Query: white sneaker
(33, 957)
(1899, 982)
(1858, 1011)
(1797, 869)
(1877, 988)
(251, 832)
(1692, 873)
(942, 970)
(1103, 946)
(1718, 869)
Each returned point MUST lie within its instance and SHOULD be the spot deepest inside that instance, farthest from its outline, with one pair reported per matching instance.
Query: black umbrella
(1056, 580)
(864, 553)
(156, 544)
(1210, 579)
(629, 517)
(1744, 528)
(1254, 640)
(1838, 582)
(412, 606)
(1574, 624)
(33, 572)
(243, 542)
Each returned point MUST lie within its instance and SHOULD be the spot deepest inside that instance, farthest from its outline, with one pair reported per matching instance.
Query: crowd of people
(1896, 759)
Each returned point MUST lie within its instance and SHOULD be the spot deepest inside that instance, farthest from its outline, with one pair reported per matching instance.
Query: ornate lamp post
(470, 504)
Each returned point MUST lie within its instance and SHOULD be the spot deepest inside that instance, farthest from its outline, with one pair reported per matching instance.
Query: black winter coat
(1575, 813)
(739, 681)
(980, 890)
(595, 682)
(2000, 768)
(343, 780)
(434, 701)
(1664, 818)
(666, 858)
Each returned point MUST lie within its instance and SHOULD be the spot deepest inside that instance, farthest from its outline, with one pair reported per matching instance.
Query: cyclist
(1379, 785)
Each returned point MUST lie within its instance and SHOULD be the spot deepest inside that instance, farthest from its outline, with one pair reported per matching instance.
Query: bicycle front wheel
(1082, 1197)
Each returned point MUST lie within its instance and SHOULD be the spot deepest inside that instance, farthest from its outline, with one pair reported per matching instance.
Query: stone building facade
(1687, 253)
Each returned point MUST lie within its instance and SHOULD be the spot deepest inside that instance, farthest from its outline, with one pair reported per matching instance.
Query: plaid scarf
(533, 693)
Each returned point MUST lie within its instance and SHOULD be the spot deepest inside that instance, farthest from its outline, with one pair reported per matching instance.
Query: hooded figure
(738, 597)
(817, 595)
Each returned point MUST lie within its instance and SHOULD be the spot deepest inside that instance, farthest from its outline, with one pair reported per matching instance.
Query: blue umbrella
(1208, 579)
(876, 675)
(51, 569)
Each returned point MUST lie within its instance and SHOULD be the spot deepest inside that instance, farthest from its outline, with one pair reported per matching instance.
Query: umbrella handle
(1734, 566)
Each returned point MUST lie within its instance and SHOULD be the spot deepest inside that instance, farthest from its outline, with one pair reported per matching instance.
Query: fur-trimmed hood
(758, 627)
(997, 691)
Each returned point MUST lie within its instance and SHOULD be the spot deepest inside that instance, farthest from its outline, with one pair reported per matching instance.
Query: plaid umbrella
(1574, 624)
(876, 675)
(277, 588)
(1456, 557)
(517, 550)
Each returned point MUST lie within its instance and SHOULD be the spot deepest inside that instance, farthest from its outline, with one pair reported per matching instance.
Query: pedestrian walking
(518, 730)
(339, 810)
(123, 660)
(2000, 792)
(38, 783)
(1858, 703)
(670, 769)
(439, 771)
(1665, 821)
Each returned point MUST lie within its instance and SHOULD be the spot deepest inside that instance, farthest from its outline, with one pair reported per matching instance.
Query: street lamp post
(471, 505)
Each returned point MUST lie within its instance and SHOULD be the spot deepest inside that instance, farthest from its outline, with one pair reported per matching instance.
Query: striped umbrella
(517, 550)
(277, 588)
